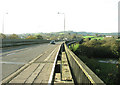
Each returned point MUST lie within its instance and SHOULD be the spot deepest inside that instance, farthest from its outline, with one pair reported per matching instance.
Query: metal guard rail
(81, 73)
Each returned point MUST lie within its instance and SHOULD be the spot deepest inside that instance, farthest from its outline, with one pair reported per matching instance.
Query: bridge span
(45, 64)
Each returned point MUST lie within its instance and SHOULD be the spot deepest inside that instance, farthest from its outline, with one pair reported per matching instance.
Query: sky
(34, 16)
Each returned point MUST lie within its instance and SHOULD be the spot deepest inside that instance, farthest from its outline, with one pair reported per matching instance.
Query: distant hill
(72, 32)
(85, 33)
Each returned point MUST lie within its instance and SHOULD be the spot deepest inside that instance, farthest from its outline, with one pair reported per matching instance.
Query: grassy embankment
(106, 71)
(74, 47)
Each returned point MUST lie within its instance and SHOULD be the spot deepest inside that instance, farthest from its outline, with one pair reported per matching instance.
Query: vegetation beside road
(74, 47)
(15, 36)
(105, 71)
(91, 51)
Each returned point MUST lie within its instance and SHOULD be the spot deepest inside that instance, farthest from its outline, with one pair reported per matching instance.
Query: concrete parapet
(81, 73)
(16, 42)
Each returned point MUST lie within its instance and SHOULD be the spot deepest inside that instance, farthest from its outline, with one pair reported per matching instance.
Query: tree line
(47, 36)
(15, 36)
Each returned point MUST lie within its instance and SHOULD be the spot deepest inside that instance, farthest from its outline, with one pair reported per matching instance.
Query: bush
(31, 37)
(2, 36)
(13, 36)
(39, 37)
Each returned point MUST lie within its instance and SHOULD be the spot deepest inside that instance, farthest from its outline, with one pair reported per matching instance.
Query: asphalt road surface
(15, 57)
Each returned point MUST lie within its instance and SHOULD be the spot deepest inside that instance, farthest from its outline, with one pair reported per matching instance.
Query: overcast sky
(33, 16)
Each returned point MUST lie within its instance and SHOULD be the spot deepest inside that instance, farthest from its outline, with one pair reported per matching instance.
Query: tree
(2, 36)
(53, 38)
(13, 36)
(96, 34)
(31, 37)
(69, 34)
(86, 39)
(103, 35)
(74, 37)
(39, 37)
(118, 74)
(81, 41)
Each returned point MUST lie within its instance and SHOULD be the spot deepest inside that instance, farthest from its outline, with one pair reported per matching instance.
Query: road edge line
(52, 72)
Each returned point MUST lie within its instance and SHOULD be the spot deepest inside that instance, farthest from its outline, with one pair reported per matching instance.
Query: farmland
(94, 37)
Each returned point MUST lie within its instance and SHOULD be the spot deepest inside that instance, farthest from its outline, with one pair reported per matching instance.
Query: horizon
(63, 32)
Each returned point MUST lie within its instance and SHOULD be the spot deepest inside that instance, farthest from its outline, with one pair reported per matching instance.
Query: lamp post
(64, 20)
(3, 22)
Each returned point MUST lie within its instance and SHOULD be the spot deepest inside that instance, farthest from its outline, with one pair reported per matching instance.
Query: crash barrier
(80, 72)
(15, 42)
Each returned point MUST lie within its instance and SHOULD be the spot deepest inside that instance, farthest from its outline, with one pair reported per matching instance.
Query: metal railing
(80, 72)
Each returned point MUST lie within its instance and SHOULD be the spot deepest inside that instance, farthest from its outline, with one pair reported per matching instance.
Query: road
(15, 57)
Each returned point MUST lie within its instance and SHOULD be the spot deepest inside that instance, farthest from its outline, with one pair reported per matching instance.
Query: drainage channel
(62, 73)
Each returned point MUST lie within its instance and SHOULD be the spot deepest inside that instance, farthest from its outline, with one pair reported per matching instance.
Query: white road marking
(6, 62)
(10, 54)
(53, 68)
(50, 54)
(13, 52)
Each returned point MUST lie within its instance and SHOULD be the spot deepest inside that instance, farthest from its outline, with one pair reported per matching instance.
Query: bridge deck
(46, 68)
(39, 71)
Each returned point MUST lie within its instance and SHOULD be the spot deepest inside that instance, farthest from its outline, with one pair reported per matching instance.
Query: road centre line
(6, 62)
(7, 53)
(50, 54)
(10, 54)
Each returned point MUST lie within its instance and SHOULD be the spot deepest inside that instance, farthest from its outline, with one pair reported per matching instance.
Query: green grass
(88, 36)
(105, 71)
(74, 47)
(107, 68)
(93, 37)
(98, 38)
(108, 72)
(118, 39)
(61, 33)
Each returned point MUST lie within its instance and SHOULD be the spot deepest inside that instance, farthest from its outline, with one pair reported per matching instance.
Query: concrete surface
(12, 59)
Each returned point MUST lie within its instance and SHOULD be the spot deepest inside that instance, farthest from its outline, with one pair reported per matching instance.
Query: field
(118, 39)
(88, 36)
(74, 47)
(93, 37)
